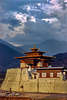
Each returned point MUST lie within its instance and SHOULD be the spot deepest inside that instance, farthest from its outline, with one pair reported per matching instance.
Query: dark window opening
(34, 76)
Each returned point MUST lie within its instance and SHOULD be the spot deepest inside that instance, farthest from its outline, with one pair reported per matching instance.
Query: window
(43, 74)
(39, 64)
(51, 74)
(38, 74)
(58, 74)
(22, 64)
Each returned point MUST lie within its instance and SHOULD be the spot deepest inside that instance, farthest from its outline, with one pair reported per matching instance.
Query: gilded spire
(34, 45)
(34, 49)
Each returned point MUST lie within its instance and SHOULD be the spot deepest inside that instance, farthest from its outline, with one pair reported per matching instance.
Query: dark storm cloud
(35, 32)
(12, 22)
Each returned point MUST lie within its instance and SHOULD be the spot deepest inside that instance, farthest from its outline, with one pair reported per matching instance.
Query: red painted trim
(22, 61)
(48, 77)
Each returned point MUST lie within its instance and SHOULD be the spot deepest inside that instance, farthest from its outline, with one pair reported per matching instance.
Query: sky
(33, 21)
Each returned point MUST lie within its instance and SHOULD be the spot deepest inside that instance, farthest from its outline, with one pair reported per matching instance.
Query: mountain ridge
(52, 47)
(7, 55)
(10, 45)
(60, 60)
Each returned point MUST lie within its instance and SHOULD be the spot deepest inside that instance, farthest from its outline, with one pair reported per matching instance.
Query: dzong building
(36, 74)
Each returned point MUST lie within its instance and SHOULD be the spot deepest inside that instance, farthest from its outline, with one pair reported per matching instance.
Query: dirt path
(37, 96)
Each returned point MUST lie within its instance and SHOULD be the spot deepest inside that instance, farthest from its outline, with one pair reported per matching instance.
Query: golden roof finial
(34, 45)
(34, 48)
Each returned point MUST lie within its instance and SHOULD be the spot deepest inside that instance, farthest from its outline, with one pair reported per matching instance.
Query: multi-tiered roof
(34, 57)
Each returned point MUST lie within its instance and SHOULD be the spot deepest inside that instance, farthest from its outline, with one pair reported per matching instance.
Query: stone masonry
(18, 80)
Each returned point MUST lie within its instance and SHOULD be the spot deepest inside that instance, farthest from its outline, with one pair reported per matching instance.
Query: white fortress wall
(12, 79)
(18, 80)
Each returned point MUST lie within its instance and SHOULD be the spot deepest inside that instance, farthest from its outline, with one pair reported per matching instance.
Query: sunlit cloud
(32, 19)
(4, 30)
(50, 20)
(23, 18)
(53, 7)
(39, 4)
(29, 8)
(50, 9)
(65, 0)
(54, 1)
(54, 21)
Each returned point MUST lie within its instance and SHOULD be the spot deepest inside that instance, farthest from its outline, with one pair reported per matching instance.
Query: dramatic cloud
(5, 30)
(30, 8)
(50, 20)
(23, 18)
(33, 21)
(54, 21)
